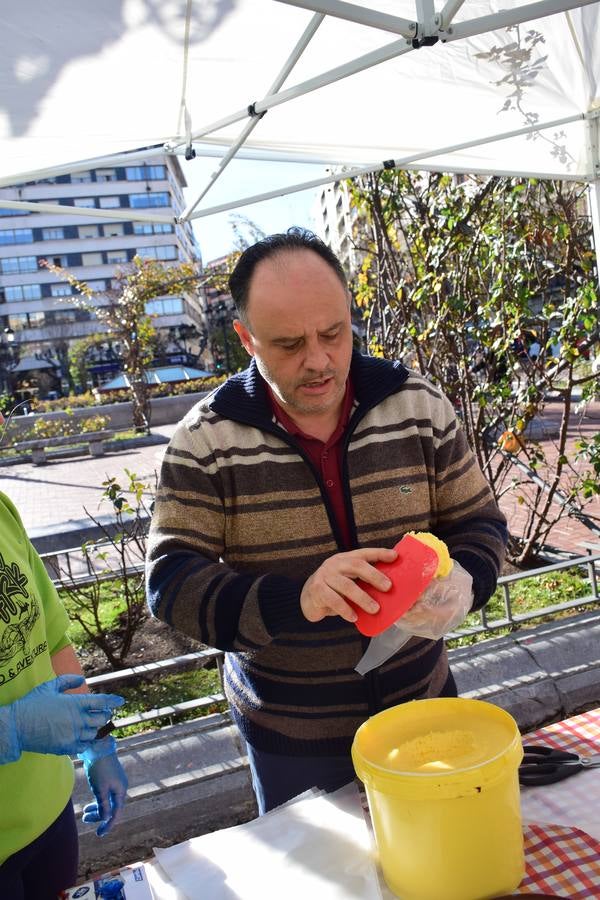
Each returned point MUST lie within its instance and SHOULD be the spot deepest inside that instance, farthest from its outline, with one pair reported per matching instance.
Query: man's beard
(289, 397)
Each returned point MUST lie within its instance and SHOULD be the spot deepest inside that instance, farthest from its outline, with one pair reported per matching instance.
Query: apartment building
(335, 216)
(37, 312)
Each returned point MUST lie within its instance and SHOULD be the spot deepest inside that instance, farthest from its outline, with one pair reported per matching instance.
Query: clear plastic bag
(443, 605)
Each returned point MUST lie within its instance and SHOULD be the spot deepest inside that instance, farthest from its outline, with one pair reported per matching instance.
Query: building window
(61, 261)
(116, 256)
(62, 316)
(81, 177)
(14, 212)
(109, 202)
(113, 230)
(26, 320)
(106, 175)
(170, 306)
(138, 201)
(60, 290)
(17, 321)
(167, 252)
(16, 236)
(85, 202)
(88, 231)
(91, 259)
(11, 264)
(23, 292)
(145, 173)
(53, 234)
(152, 228)
(96, 284)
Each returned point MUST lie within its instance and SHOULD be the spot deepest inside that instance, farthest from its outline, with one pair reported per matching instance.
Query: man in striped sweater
(282, 488)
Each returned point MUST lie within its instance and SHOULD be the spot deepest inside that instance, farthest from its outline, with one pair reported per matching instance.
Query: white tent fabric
(82, 80)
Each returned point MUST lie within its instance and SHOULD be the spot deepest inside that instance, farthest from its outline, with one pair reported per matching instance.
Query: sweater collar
(244, 397)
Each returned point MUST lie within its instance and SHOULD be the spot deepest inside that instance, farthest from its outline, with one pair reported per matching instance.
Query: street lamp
(219, 314)
(6, 358)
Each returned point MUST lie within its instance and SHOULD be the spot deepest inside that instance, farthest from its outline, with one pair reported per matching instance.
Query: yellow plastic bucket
(441, 778)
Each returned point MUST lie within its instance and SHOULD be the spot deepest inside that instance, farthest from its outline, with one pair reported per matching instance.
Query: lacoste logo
(405, 489)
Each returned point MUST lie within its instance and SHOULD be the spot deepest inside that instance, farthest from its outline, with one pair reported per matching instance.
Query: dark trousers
(277, 778)
(46, 866)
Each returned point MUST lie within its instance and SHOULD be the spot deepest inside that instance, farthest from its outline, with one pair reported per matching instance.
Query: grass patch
(110, 607)
(527, 596)
(169, 690)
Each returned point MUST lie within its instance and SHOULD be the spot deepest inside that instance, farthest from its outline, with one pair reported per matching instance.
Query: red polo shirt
(326, 456)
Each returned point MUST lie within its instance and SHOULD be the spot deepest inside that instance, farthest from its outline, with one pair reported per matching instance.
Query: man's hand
(443, 606)
(325, 592)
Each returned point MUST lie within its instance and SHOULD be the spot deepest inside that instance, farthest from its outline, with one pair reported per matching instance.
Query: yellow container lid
(443, 747)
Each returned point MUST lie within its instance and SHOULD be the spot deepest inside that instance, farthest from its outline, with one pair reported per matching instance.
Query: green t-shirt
(35, 789)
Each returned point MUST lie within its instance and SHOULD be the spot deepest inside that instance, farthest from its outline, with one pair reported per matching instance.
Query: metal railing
(81, 572)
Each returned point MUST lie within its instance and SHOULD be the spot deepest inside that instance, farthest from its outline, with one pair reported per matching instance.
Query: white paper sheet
(315, 848)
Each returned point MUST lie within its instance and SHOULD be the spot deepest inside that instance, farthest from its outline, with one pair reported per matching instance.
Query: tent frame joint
(427, 40)
(252, 112)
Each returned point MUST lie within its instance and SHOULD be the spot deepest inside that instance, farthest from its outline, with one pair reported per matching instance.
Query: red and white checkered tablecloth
(561, 861)
(562, 858)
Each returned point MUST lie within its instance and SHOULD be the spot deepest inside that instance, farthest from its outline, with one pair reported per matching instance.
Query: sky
(246, 178)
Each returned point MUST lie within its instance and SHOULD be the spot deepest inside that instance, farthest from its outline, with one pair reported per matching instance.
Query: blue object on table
(110, 888)
(545, 765)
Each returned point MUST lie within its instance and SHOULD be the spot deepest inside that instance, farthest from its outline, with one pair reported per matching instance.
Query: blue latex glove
(46, 720)
(107, 781)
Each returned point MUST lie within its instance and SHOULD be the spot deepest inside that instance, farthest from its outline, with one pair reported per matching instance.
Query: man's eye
(331, 336)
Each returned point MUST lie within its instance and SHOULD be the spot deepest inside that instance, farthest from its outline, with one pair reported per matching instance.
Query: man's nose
(316, 357)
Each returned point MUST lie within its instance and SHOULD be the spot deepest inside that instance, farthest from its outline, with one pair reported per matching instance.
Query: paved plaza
(58, 493)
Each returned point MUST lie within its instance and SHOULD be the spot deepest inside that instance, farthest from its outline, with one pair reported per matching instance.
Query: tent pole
(415, 161)
(130, 214)
(359, 14)
(247, 130)
(593, 126)
(594, 208)
(448, 12)
(374, 58)
(82, 165)
(508, 17)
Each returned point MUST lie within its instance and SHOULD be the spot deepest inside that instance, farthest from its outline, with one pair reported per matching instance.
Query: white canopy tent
(474, 86)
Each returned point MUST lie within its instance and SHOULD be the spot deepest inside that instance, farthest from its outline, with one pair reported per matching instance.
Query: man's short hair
(295, 238)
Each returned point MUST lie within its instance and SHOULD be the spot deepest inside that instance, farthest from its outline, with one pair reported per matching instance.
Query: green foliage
(125, 320)
(454, 273)
(73, 401)
(528, 596)
(589, 452)
(47, 428)
(7, 404)
(77, 358)
(111, 606)
(115, 563)
(227, 351)
(91, 398)
(168, 690)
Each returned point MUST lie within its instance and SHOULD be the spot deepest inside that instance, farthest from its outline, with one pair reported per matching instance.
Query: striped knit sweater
(242, 520)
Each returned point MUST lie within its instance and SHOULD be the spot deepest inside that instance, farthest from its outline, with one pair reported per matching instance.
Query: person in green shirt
(46, 714)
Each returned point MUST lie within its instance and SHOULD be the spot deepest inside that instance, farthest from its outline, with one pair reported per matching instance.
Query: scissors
(545, 765)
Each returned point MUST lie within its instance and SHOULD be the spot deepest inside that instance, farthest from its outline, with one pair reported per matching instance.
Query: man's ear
(244, 336)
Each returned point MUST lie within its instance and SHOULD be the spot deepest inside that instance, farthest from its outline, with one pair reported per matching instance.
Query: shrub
(48, 428)
(95, 398)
